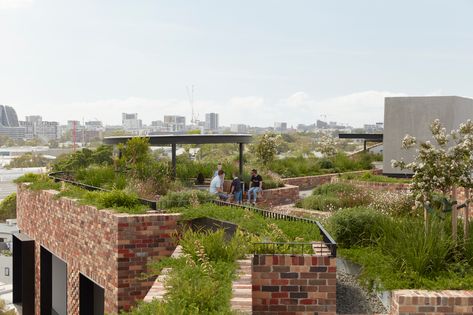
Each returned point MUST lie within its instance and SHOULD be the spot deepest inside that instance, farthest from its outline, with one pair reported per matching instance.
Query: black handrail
(56, 176)
(327, 238)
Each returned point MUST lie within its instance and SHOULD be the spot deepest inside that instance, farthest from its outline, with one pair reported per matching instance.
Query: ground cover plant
(252, 222)
(334, 196)
(399, 253)
(370, 177)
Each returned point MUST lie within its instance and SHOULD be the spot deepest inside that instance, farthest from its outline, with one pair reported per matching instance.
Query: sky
(254, 62)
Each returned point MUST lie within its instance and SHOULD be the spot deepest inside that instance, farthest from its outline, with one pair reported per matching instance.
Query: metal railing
(328, 241)
(59, 177)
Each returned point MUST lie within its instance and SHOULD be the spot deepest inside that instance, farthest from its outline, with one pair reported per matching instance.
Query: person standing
(256, 186)
(236, 189)
(219, 167)
(216, 186)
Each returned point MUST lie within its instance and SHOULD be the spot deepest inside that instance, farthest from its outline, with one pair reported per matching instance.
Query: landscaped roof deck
(173, 140)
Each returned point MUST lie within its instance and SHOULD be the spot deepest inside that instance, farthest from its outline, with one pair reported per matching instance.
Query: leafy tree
(266, 147)
(8, 207)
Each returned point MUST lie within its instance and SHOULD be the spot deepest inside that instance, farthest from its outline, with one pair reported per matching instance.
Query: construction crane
(190, 94)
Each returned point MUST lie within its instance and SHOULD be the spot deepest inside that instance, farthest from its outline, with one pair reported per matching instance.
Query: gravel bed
(354, 299)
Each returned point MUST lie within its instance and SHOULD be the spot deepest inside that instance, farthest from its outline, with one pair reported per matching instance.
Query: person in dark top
(236, 189)
(200, 180)
(256, 186)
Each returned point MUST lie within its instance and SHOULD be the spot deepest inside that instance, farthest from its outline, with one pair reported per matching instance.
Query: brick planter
(294, 284)
(420, 302)
(111, 249)
(273, 197)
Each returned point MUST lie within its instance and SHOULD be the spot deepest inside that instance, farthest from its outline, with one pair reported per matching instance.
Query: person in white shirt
(216, 185)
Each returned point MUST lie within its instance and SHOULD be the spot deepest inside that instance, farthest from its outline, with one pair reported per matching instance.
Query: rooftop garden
(200, 280)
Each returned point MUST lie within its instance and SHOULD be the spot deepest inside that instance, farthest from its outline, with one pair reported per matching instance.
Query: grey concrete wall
(413, 116)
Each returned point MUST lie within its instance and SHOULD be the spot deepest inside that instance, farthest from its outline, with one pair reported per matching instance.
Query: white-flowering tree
(266, 147)
(441, 167)
(327, 145)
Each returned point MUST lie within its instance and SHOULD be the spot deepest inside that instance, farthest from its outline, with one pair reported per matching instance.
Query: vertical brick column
(288, 284)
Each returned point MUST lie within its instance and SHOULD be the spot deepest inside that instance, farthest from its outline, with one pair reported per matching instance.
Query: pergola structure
(371, 137)
(174, 140)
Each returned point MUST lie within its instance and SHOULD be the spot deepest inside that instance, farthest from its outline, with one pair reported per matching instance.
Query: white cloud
(15, 4)
(355, 109)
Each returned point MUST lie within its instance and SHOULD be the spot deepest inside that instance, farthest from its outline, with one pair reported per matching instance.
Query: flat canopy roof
(183, 139)
(375, 137)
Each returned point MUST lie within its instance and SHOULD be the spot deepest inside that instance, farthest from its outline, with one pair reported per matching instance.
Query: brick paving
(241, 300)
(158, 290)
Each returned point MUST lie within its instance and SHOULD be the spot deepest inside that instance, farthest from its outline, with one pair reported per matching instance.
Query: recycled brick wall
(309, 182)
(289, 284)
(112, 249)
(272, 197)
(419, 302)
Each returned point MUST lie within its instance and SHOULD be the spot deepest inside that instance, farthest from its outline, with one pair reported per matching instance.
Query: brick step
(158, 290)
(241, 301)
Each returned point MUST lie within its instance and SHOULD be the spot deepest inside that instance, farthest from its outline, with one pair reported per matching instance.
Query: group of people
(216, 186)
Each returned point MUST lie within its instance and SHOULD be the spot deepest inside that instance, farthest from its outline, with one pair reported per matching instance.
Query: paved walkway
(241, 300)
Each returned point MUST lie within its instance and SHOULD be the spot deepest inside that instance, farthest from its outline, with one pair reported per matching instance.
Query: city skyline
(253, 63)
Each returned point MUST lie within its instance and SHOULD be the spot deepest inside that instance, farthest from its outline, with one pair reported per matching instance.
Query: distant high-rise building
(280, 126)
(174, 123)
(321, 124)
(238, 128)
(94, 125)
(211, 121)
(131, 121)
(9, 125)
(35, 127)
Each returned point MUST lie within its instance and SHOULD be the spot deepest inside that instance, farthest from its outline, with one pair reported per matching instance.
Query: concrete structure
(174, 123)
(280, 126)
(238, 128)
(211, 121)
(35, 127)
(131, 121)
(9, 125)
(413, 116)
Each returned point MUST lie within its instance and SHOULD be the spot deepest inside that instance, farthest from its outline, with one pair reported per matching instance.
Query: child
(236, 189)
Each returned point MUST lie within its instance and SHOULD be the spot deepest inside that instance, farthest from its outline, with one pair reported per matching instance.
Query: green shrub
(38, 182)
(326, 164)
(101, 176)
(8, 207)
(357, 227)
(217, 248)
(118, 200)
(320, 202)
(335, 189)
(424, 251)
(185, 198)
(330, 197)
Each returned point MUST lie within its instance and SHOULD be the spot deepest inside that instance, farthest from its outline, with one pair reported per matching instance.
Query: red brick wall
(110, 248)
(288, 284)
(419, 302)
(309, 182)
(273, 197)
